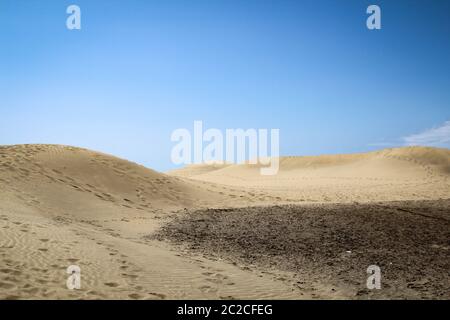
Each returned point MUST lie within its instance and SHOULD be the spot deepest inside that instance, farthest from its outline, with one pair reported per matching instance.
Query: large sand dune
(390, 174)
(62, 175)
(62, 205)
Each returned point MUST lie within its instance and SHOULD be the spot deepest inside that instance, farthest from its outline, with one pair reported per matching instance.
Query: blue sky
(137, 70)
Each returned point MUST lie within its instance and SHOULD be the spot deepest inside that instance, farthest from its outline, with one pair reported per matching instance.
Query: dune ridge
(391, 174)
(435, 158)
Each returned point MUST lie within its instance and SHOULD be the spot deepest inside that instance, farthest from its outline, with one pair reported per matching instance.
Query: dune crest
(434, 158)
(391, 174)
(64, 175)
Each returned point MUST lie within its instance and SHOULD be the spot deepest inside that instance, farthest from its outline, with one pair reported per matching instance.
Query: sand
(62, 206)
(410, 173)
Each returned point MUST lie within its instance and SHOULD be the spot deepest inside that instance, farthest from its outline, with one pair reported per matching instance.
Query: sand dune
(62, 205)
(66, 173)
(390, 174)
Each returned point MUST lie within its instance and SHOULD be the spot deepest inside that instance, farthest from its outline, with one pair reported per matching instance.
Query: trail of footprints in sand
(143, 185)
(235, 193)
(13, 161)
(9, 275)
(44, 270)
(24, 155)
(18, 278)
(214, 281)
(431, 174)
(129, 273)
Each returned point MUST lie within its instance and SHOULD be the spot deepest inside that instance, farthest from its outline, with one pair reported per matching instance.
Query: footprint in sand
(207, 289)
(159, 295)
(112, 284)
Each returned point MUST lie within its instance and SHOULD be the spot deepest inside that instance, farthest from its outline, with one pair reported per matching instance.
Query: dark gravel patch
(331, 244)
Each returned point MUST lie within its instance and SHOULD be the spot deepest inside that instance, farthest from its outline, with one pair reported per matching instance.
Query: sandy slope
(62, 205)
(390, 174)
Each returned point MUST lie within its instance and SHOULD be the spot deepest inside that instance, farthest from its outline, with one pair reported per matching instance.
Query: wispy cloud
(435, 137)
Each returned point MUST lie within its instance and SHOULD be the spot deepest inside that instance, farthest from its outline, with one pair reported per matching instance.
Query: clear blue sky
(137, 70)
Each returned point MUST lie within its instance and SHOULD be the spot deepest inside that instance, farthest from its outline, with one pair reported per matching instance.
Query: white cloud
(435, 137)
